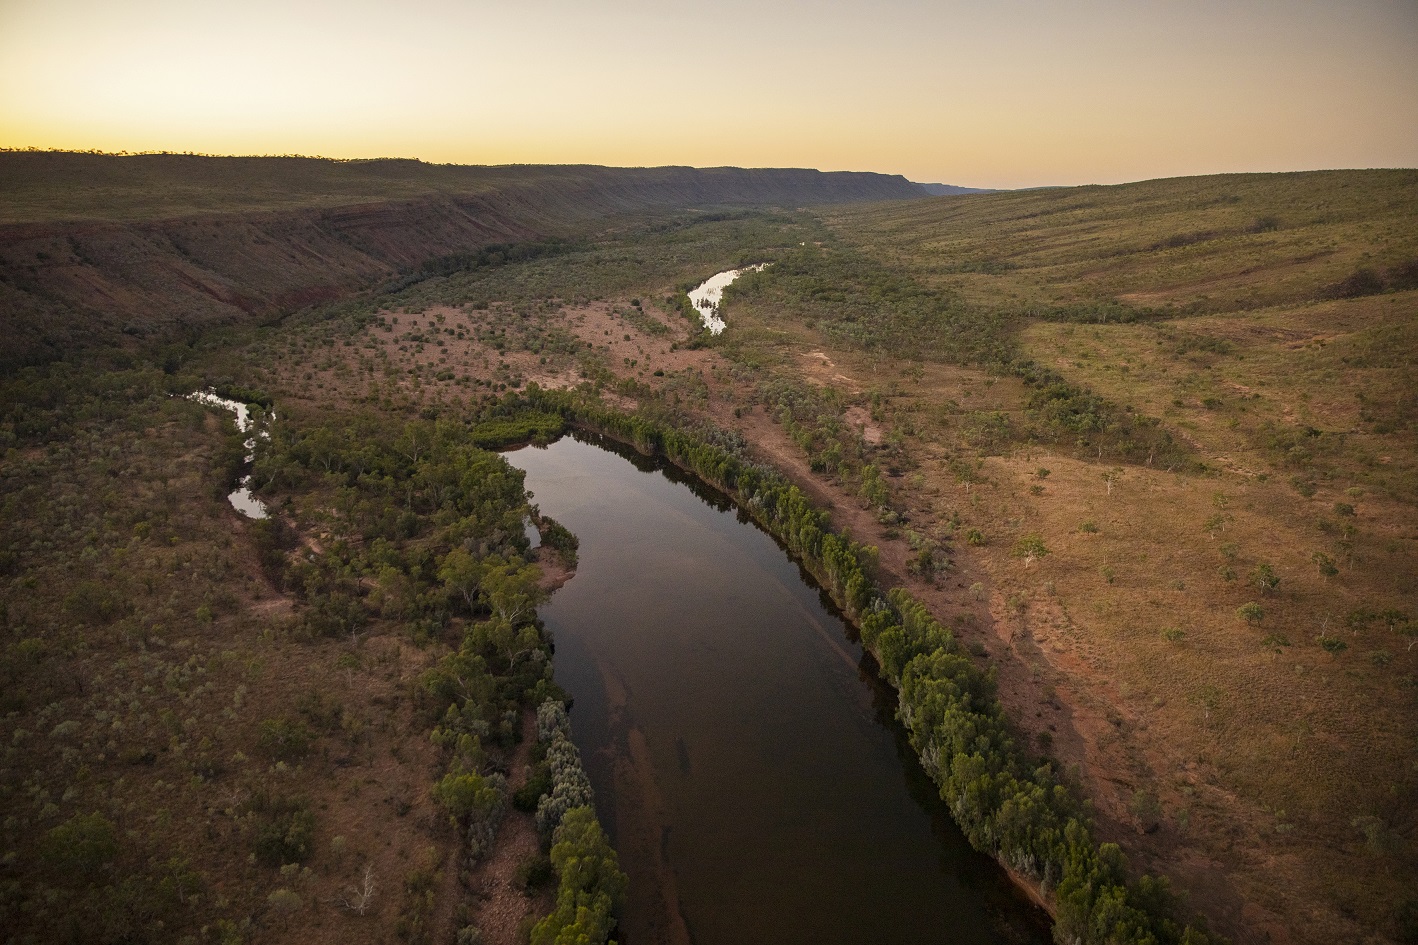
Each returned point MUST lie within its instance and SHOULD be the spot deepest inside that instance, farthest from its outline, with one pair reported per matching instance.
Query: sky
(1006, 93)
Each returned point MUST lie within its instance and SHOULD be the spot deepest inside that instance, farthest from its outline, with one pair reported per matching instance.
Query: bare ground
(501, 906)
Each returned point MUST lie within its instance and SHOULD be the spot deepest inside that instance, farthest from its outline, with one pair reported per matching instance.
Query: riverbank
(1022, 815)
(731, 729)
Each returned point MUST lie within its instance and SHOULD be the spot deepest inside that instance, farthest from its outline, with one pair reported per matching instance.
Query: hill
(1167, 434)
(952, 190)
(96, 249)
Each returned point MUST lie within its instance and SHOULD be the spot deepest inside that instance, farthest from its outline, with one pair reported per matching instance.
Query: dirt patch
(501, 905)
(555, 571)
(821, 370)
(861, 419)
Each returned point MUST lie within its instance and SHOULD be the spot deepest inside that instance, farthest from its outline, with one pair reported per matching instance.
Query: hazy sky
(1004, 93)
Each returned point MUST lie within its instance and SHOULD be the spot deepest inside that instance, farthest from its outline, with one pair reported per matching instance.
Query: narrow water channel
(745, 760)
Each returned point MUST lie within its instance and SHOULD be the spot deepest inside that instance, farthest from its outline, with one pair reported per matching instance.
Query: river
(746, 761)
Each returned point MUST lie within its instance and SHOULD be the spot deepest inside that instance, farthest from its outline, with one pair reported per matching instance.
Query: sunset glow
(1000, 94)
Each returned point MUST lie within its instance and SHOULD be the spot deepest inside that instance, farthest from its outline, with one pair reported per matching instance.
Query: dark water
(745, 760)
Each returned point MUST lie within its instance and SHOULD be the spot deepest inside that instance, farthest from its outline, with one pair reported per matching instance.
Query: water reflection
(706, 296)
(745, 759)
(241, 498)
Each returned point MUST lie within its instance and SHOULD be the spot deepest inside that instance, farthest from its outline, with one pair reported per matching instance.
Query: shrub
(533, 872)
(284, 739)
(1331, 644)
(1029, 546)
(527, 797)
(285, 832)
(570, 786)
(1263, 576)
(1325, 563)
(467, 795)
(81, 846)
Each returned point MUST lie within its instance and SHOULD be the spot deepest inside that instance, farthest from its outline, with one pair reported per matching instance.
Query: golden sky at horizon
(1001, 94)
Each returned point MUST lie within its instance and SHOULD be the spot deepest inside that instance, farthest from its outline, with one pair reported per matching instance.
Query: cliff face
(72, 283)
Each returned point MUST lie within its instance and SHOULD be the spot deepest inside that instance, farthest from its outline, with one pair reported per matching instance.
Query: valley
(1145, 453)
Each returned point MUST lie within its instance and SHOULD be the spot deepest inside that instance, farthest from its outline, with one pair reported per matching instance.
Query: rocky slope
(96, 248)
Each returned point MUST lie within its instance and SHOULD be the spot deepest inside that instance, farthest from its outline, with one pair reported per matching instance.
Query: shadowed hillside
(94, 248)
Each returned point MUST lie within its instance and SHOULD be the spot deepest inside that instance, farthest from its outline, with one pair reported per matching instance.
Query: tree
(461, 574)
(1325, 563)
(512, 588)
(1250, 612)
(591, 886)
(1265, 578)
(873, 490)
(1029, 547)
(1111, 476)
(358, 897)
(466, 795)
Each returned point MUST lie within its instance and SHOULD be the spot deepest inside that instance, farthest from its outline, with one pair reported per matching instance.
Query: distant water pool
(706, 296)
(241, 497)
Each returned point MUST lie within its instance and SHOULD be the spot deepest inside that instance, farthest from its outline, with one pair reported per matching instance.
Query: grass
(1204, 244)
(1227, 309)
(1258, 743)
(891, 362)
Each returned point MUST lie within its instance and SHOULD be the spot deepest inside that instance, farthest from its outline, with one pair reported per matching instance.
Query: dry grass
(1282, 771)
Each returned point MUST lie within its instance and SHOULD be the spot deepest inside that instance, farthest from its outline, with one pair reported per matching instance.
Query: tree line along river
(746, 760)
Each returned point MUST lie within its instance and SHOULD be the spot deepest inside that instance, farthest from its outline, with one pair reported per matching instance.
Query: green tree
(1325, 564)
(512, 589)
(461, 574)
(466, 795)
(1264, 577)
(1029, 547)
(591, 886)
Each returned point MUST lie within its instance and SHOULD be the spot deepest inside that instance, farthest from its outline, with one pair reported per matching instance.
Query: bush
(284, 739)
(533, 873)
(285, 832)
(1029, 547)
(498, 432)
(570, 786)
(1251, 612)
(1265, 578)
(467, 795)
(81, 846)
(527, 797)
(558, 537)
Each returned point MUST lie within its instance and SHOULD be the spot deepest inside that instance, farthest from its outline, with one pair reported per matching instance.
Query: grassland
(1268, 324)
(1087, 427)
(1236, 409)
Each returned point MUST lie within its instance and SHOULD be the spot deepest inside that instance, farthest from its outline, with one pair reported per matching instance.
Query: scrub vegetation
(1117, 483)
